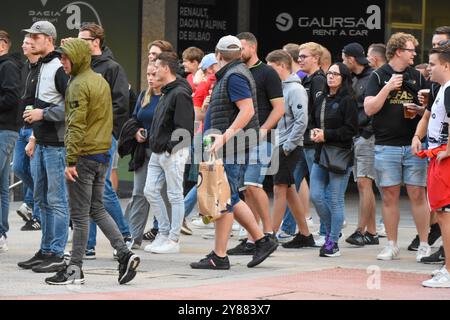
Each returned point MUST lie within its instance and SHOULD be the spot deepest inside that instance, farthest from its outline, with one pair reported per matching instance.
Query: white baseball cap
(229, 43)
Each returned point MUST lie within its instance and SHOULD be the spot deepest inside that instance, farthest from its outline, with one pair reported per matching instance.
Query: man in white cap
(46, 148)
(233, 110)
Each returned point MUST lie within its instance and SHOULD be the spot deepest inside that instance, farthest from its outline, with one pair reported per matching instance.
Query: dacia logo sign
(73, 14)
(334, 26)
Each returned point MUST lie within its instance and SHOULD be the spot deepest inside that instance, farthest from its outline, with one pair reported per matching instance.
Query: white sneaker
(310, 222)
(160, 239)
(320, 241)
(284, 237)
(440, 280)
(198, 223)
(381, 230)
(168, 246)
(236, 226)
(435, 272)
(424, 251)
(25, 212)
(242, 234)
(209, 235)
(3, 244)
(390, 252)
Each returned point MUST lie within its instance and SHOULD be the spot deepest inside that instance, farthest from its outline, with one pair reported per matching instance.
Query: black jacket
(359, 86)
(174, 111)
(341, 120)
(129, 146)
(29, 79)
(118, 82)
(10, 66)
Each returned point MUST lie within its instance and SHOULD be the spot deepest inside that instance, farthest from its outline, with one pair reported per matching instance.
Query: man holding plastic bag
(232, 115)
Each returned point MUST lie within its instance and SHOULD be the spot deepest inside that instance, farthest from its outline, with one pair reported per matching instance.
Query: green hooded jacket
(88, 106)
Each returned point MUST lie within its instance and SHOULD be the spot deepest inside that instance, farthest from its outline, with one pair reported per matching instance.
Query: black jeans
(86, 199)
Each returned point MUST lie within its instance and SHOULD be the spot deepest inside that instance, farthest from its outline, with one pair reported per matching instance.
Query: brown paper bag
(213, 190)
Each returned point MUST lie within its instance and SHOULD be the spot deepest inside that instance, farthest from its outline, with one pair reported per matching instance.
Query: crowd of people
(304, 121)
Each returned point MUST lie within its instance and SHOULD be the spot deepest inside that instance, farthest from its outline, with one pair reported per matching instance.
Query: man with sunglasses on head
(392, 100)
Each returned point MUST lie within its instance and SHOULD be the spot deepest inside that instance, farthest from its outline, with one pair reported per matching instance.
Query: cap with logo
(208, 61)
(229, 43)
(43, 27)
(356, 50)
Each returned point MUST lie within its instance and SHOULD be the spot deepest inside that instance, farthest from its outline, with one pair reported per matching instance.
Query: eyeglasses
(443, 43)
(88, 39)
(303, 57)
(334, 74)
(409, 50)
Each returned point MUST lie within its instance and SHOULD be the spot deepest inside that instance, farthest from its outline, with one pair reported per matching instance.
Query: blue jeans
(7, 140)
(167, 168)
(21, 168)
(301, 171)
(47, 167)
(111, 203)
(190, 201)
(328, 196)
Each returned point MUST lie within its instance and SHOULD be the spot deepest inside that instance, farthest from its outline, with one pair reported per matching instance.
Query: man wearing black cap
(354, 58)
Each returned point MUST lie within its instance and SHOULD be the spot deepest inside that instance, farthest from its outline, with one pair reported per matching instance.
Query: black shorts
(287, 164)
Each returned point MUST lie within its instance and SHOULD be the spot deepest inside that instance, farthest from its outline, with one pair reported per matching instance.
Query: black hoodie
(118, 82)
(29, 79)
(10, 66)
(174, 111)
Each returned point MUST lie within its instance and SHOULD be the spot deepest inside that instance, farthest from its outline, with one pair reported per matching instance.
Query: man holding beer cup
(390, 88)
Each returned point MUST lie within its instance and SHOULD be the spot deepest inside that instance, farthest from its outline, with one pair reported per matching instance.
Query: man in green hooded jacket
(87, 140)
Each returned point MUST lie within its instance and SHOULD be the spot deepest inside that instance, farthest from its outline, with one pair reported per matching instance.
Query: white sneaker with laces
(440, 280)
(435, 272)
(25, 212)
(168, 246)
(198, 223)
(242, 233)
(310, 222)
(390, 252)
(236, 226)
(160, 239)
(284, 237)
(423, 251)
(381, 230)
(320, 241)
(3, 245)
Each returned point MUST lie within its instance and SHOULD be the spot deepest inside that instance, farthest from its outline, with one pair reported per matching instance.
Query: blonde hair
(315, 49)
(398, 41)
(149, 93)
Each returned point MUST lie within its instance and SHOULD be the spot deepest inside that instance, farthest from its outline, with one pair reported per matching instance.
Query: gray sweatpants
(86, 199)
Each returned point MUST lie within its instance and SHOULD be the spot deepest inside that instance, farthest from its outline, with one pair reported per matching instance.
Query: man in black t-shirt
(388, 89)
(270, 110)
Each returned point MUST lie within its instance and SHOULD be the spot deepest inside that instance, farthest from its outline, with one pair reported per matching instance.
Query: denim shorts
(397, 165)
(259, 161)
(364, 165)
(235, 173)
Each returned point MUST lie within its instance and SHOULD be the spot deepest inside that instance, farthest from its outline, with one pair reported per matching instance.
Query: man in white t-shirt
(436, 121)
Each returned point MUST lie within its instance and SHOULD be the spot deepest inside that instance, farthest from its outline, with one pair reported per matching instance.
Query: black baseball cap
(356, 50)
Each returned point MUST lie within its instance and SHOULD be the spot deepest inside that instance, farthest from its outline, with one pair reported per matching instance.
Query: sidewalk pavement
(286, 275)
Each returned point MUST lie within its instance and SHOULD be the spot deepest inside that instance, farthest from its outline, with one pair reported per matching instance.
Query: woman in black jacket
(336, 119)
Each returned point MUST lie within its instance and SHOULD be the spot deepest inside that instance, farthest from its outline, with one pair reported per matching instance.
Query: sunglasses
(443, 43)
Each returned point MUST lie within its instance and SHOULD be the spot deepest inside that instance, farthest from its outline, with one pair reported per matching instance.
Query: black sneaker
(300, 241)
(127, 267)
(371, 240)
(52, 264)
(32, 225)
(436, 258)
(243, 249)
(68, 275)
(356, 239)
(330, 250)
(212, 262)
(150, 235)
(37, 259)
(264, 248)
(434, 235)
(414, 246)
